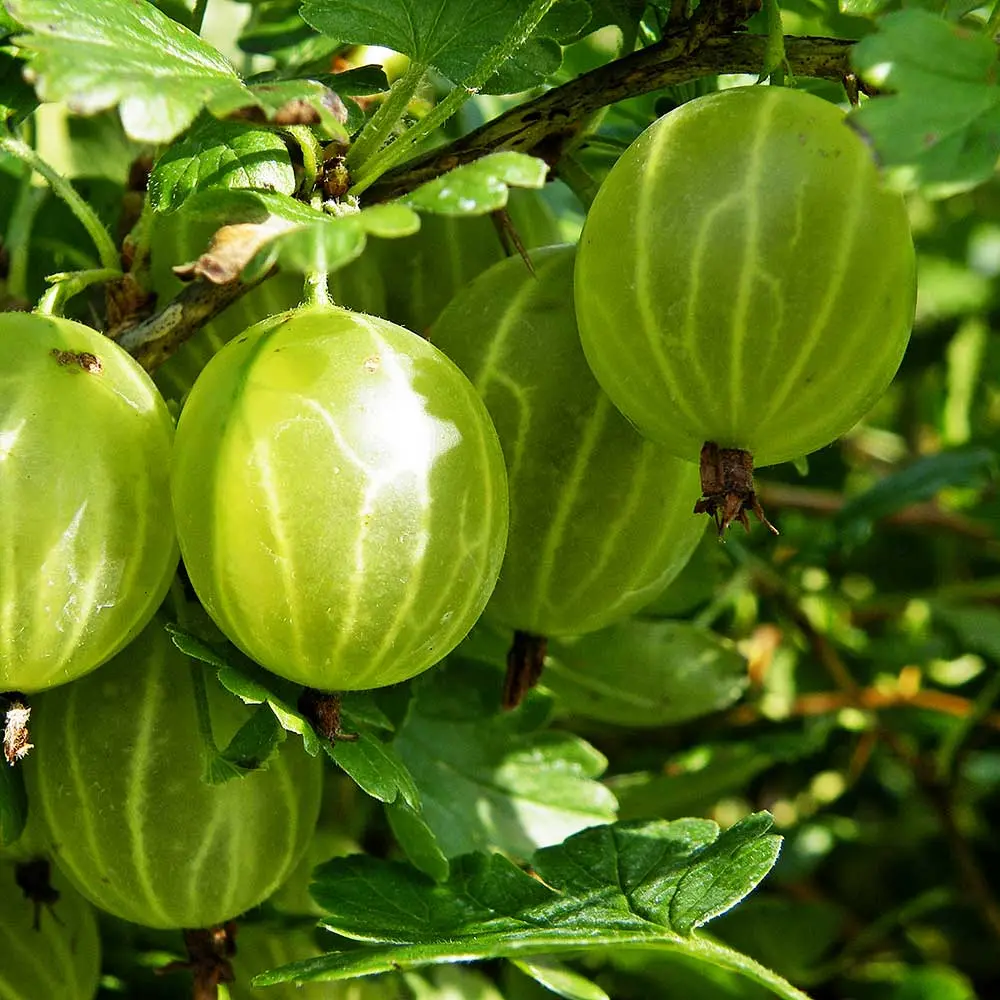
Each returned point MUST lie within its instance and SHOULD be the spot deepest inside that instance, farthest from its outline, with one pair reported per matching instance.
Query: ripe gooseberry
(744, 279)
(117, 777)
(340, 498)
(87, 546)
(600, 516)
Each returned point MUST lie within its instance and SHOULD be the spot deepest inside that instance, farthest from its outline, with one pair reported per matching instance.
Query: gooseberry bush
(367, 373)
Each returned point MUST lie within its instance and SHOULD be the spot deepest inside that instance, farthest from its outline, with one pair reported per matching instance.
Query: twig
(547, 125)
(157, 338)
(830, 503)
(872, 699)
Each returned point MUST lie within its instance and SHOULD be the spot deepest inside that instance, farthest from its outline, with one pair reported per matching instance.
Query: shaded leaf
(492, 779)
(374, 766)
(417, 840)
(302, 102)
(479, 187)
(220, 155)
(645, 673)
(940, 128)
(609, 885)
(251, 747)
(17, 98)
(96, 54)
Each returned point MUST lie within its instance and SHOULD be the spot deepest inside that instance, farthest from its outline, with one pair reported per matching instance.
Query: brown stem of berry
(727, 487)
(525, 661)
(322, 711)
(209, 953)
(33, 879)
(16, 738)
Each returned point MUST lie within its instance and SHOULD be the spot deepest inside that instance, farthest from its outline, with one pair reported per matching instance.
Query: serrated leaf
(13, 803)
(375, 767)
(250, 749)
(452, 35)
(417, 840)
(921, 480)
(485, 780)
(220, 155)
(97, 54)
(479, 187)
(645, 673)
(940, 128)
(610, 885)
(560, 979)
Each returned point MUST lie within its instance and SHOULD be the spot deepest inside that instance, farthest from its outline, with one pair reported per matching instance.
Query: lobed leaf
(97, 54)
(452, 35)
(250, 749)
(608, 886)
(939, 129)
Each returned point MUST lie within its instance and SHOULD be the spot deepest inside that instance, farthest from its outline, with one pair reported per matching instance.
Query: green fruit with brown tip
(745, 278)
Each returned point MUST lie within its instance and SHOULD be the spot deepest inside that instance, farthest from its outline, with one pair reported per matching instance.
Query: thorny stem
(490, 64)
(155, 339)
(544, 126)
(106, 250)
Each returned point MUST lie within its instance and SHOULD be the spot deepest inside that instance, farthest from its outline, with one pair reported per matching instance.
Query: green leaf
(479, 187)
(13, 803)
(374, 766)
(251, 747)
(219, 155)
(560, 979)
(922, 480)
(492, 779)
(644, 883)
(452, 35)
(645, 673)
(95, 54)
(417, 840)
(940, 128)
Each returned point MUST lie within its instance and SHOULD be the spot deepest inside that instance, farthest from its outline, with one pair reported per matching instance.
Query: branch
(545, 126)
(157, 338)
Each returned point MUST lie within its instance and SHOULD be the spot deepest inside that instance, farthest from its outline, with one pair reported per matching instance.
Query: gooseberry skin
(87, 547)
(600, 517)
(61, 957)
(340, 498)
(117, 775)
(425, 271)
(745, 278)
